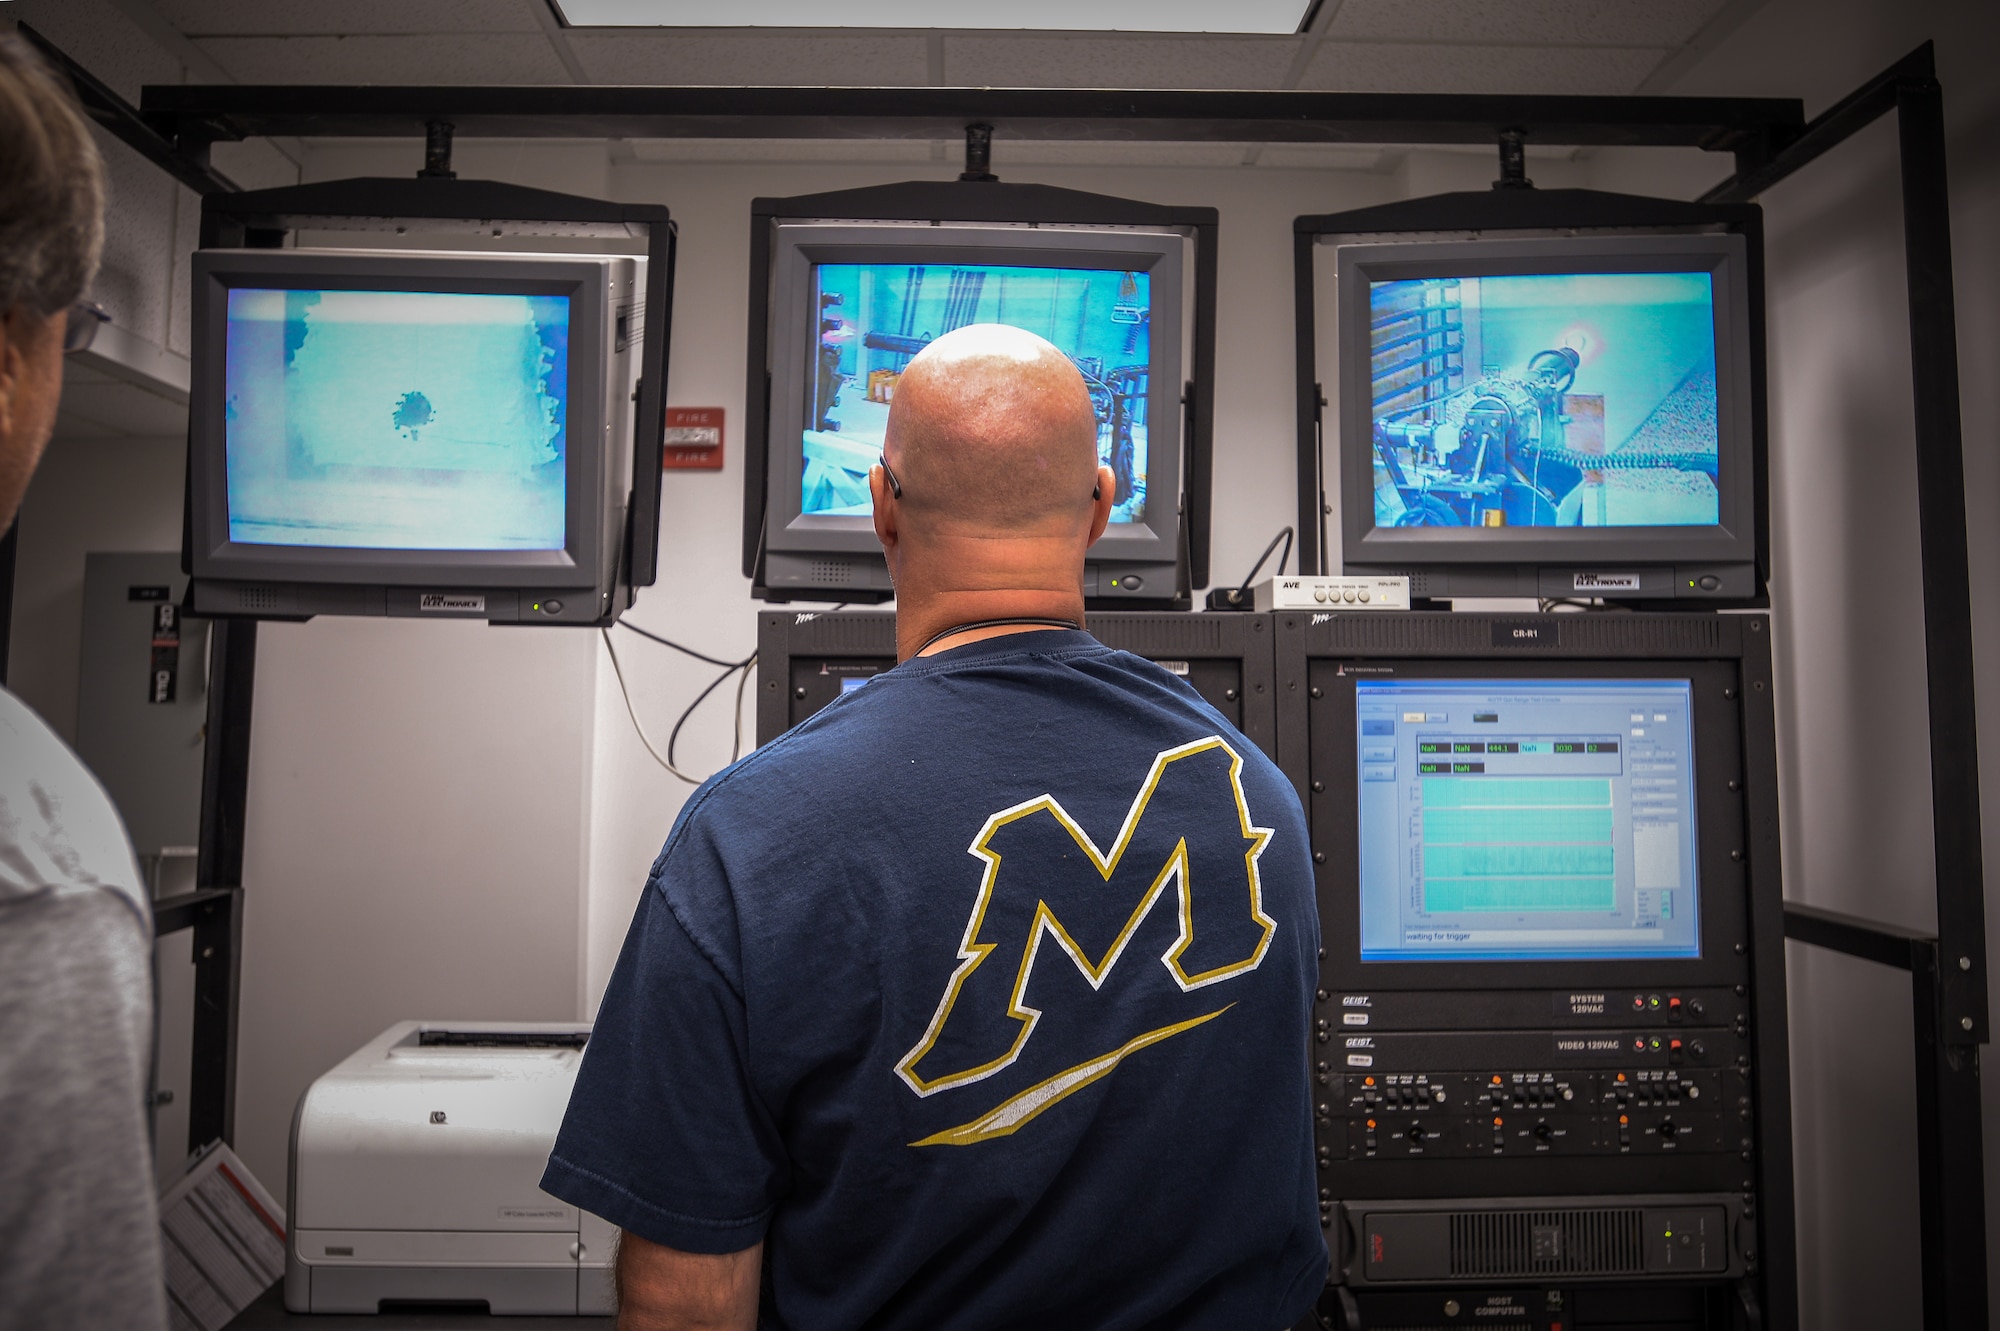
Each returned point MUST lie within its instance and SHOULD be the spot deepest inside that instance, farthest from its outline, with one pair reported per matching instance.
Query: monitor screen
(396, 420)
(1526, 819)
(1551, 399)
(874, 317)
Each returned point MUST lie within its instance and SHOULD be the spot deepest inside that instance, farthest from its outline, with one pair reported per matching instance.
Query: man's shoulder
(61, 829)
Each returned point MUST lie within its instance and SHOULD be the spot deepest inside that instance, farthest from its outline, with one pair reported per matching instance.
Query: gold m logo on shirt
(1046, 881)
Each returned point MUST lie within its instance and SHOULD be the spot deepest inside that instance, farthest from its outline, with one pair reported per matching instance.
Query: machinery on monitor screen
(874, 317)
(1564, 400)
(1551, 416)
(845, 306)
(1526, 819)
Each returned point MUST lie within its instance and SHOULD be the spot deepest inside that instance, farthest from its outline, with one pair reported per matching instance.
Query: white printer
(416, 1167)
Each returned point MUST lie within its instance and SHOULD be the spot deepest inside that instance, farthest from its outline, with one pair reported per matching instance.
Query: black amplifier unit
(1549, 1049)
(806, 660)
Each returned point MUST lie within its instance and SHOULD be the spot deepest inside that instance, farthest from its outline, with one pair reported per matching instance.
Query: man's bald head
(991, 429)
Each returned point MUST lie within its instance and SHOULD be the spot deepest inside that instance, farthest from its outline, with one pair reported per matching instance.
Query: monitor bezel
(799, 245)
(216, 557)
(1723, 914)
(1732, 540)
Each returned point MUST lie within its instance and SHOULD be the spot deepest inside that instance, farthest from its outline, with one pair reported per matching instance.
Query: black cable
(1285, 535)
(668, 642)
(699, 698)
(729, 669)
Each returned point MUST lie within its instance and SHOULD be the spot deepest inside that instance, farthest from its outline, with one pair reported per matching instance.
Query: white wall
(416, 838)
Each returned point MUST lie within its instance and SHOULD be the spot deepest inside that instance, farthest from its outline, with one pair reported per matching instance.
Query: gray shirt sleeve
(79, 1224)
(79, 1221)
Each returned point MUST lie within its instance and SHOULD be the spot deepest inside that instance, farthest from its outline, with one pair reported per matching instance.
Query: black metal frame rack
(174, 127)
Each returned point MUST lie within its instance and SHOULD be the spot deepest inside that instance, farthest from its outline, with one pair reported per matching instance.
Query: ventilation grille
(1161, 635)
(1534, 1243)
(1404, 635)
(256, 599)
(1665, 635)
(829, 572)
(824, 633)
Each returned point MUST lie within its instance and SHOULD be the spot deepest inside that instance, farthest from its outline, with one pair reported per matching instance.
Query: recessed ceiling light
(1245, 16)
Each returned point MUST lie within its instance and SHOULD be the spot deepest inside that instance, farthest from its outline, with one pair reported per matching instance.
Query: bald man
(981, 998)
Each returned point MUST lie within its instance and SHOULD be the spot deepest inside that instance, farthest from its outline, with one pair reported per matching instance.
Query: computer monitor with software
(1523, 819)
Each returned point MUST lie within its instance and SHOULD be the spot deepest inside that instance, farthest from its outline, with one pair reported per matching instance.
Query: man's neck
(922, 619)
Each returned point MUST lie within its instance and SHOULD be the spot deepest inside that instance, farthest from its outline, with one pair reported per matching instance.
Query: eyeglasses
(896, 486)
(85, 318)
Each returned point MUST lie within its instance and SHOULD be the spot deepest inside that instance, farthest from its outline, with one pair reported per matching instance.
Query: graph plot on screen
(1525, 845)
(1524, 819)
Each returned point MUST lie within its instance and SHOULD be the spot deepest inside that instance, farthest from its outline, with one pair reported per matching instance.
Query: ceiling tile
(267, 18)
(1401, 67)
(458, 59)
(1524, 22)
(1117, 62)
(109, 44)
(783, 150)
(736, 60)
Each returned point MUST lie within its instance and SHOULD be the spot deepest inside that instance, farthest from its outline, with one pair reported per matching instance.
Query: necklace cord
(1031, 620)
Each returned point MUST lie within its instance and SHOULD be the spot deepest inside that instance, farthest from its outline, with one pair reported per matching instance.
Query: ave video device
(1304, 592)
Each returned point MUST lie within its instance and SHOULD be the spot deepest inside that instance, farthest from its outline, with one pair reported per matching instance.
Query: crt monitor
(426, 434)
(851, 304)
(1549, 417)
(1524, 819)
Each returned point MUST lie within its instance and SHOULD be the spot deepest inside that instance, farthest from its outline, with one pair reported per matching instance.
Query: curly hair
(51, 186)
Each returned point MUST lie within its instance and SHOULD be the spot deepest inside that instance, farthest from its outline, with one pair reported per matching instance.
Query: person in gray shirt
(79, 1224)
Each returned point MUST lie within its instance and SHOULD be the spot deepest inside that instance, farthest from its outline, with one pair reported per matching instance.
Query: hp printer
(416, 1167)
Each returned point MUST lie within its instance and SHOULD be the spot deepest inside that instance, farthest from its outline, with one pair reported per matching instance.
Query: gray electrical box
(142, 698)
(141, 702)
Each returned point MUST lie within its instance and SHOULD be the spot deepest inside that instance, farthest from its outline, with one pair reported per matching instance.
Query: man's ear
(1107, 499)
(885, 514)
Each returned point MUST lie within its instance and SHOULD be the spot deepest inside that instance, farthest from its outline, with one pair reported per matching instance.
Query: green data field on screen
(1518, 844)
(1516, 826)
(1518, 894)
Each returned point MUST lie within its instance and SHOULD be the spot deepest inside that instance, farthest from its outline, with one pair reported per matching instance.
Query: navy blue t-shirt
(982, 998)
